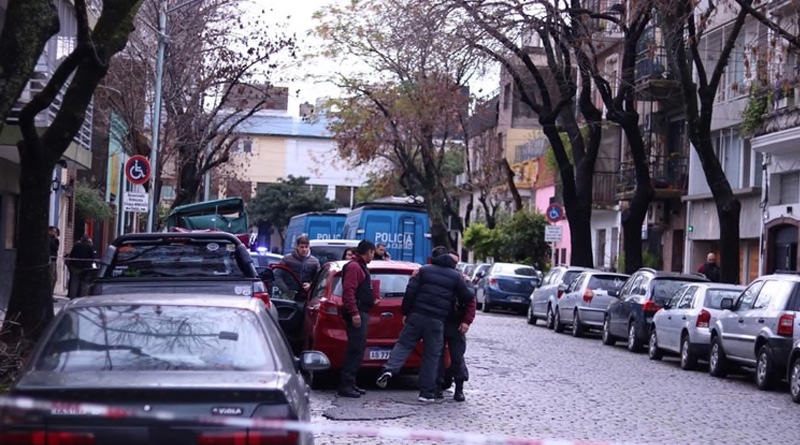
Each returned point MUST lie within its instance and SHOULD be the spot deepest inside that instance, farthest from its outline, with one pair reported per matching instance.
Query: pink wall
(542, 201)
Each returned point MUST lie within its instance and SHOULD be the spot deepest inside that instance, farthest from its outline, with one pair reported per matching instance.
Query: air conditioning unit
(656, 214)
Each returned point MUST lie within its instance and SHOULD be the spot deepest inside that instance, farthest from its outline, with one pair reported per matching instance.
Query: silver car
(544, 299)
(682, 325)
(585, 301)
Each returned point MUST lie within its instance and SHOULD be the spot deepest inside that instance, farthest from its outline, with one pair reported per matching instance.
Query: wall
(318, 160)
(267, 163)
(606, 220)
(705, 222)
(542, 200)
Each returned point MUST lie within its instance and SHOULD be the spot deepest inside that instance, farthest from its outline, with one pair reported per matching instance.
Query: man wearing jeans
(429, 300)
(455, 330)
(357, 299)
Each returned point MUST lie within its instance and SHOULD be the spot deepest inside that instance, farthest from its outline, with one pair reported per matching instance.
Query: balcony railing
(652, 64)
(530, 150)
(604, 189)
(667, 173)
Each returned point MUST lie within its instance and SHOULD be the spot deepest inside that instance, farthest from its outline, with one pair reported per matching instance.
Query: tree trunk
(579, 212)
(512, 187)
(189, 180)
(32, 272)
(633, 217)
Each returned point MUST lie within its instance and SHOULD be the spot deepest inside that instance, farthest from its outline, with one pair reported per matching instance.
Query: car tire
(688, 358)
(794, 379)
(634, 344)
(549, 321)
(486, 309)
(607, 338)
(557, 325)
(717, 362)
(577, 328)
(653, 351)
(531, 318)
(478, 306)
(766, 374)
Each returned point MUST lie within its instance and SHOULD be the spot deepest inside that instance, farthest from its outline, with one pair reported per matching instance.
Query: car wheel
(608, 339)
(577, 327)
(794, 380)
(486, 309)
(549, 321)
(557, 325)
(766, 375)
(688, 358)
(634, 344)
(652, 347)
(717, 362)
(478, 306)
(531, 319)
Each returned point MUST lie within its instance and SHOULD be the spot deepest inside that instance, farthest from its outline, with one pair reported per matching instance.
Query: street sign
(554, 212)
(552, 234)
(137, 169)
(136, 202)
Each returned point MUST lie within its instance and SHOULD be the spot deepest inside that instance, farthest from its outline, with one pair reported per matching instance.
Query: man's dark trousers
(457, 346)
(354, 353)
(431, 331)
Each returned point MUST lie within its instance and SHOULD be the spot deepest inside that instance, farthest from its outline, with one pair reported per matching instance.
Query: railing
(652, 63)
(602, 26)
(666, 173)
(604, 189)
(530, 150)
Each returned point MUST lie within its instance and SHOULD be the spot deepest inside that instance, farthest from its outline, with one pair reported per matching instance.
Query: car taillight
(263, 296)
(248, 437)
(703, 319)
(786, 325)
(588, 295)
(329, 307)
(39, 437)
(559, 293)
(650, 306)
(492, 280)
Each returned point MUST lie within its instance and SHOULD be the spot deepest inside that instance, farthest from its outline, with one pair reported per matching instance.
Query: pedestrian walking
(55, 243)
(380, 252)
(428, 301)
(80, 258)
(710, 268)
(357, 299)
(302, 263)
(455, 339)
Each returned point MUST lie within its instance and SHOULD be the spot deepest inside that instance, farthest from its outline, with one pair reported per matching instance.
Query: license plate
(516, 299)
(379, 354)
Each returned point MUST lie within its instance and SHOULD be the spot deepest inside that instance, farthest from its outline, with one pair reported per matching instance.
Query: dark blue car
(507, 286)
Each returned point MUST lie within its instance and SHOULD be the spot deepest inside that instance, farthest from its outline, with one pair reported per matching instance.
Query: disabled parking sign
(554, 212)
(137, 169)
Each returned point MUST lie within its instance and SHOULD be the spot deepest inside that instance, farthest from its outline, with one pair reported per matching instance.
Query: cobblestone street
(530, 382)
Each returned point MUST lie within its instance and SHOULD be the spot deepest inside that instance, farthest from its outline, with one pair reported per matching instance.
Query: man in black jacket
(429, 300)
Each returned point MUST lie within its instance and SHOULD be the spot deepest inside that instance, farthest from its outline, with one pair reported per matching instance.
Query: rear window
(570, 275)
(176, 259)
(326, 254)
(393, 285)
(714, 297)
(665, 288)
(515, 269)
(607, 283)
(156, 338)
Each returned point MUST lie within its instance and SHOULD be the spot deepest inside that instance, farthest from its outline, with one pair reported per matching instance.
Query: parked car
(508, 286)
(793, 373)
(682, 325)
(640, 298)
(544, 299)
(758, 329)
(197, 355)
(478, 273)
(324, 328)
(584, 303)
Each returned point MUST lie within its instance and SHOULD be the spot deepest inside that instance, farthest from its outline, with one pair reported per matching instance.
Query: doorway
(784, 248)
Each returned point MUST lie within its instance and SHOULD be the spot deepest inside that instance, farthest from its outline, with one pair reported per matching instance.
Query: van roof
(326, 213)
(391, 206)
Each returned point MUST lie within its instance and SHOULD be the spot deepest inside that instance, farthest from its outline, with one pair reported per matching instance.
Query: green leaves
(517, 238)
(280, 201)
(90, 204)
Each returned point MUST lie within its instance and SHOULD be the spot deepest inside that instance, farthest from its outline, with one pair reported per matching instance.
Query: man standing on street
(455, 330)
(54, 245)
(710, 268)
(429, 300)
(302, 263)
(357, 299)
(81, 257)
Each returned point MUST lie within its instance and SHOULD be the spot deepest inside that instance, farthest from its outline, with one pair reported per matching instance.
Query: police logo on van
(395, 240)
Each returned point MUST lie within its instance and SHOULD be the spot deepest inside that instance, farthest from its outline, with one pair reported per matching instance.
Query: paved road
(528, 381)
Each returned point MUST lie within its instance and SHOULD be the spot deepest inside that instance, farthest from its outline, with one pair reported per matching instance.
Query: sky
(296, 16)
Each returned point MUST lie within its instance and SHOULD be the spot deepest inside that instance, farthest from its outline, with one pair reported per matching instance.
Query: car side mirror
(376, 289)
(314, 361)
(480, 275)
(667, 305)
(726, 303)
(267, 275)
(562, 287)
(613, 293)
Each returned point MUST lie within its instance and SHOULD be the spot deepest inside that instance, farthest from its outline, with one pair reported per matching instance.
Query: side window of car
(769, 290)
(626, 288)
(633, 287)
(748, 296)
(322, 283)
(641, 286)
(687, 298)
(576, 283)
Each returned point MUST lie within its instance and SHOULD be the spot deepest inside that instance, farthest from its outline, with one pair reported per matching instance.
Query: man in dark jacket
(302, 263)
(429, 300)
(81, 257)
(357, 299)
(455, 330)
(54, 245)
(710, 268)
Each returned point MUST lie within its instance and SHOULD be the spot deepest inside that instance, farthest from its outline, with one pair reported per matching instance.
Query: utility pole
(162, 43)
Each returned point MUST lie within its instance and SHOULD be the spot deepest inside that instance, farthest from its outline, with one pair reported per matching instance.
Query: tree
(77, 77)
(482, 240)
(278, 202)
(215, 78)
(518, 237)
(408, 110)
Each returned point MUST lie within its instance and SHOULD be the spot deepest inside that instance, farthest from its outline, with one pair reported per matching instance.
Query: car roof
(164, 299)
(203, 236)
(666, 274)
(337, 266)
(513, 264)
(600, 272)
(784, 275)
(334, 242)
(710, 285)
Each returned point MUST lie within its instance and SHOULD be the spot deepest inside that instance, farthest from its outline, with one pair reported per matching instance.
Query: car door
(318, 290)
(571, 297)
(287, 295)
(667, 319)
(681, 316)
(620, 311)
(734, 338)
(539, 301)
(759, 316)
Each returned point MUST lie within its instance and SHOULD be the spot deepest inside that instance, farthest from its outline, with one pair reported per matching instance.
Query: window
(714, 297)
(731, 85)
(507, 96)
(320, 189)
(175, 258)
(687, 299)
(392, 284)
(600, 248)
(664, 289)
(746, 299)
(168, 191)
(10, 203)
(514, 269)
(243, 146)
(775, 292)
(789, 184)
(608, 283)
(728, 147)
(570, 276)
(564, 255)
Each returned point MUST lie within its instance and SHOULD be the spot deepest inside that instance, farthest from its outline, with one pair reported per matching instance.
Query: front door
(287, 295)
(784, 248)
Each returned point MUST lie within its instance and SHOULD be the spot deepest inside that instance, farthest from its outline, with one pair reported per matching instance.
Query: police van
(400, 223)
(316, 225)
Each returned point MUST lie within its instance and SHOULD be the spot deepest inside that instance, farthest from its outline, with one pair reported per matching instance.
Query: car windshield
(608, 283)
(326, 254)
(515, 269)
(714, 297)
(183, 258)
(665, 288)
(393, 284)
(156, 338)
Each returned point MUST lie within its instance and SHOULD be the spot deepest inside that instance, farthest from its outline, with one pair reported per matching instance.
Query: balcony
(604, 30)
(604, 187)
(780, 128)
(655, 78)
(669, 176)
(530, 150)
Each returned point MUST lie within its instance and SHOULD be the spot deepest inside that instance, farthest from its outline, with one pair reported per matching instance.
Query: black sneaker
(383, 380)
(438, 394)
(459, 394)
(349, 393)
(361, 391)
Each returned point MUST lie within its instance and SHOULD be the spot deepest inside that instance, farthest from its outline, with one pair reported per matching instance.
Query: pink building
(544, 194)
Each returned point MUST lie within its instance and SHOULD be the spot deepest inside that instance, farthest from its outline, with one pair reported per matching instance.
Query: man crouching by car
(429, 301)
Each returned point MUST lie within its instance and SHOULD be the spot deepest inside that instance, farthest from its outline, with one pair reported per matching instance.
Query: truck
(315, 225)
(402, 225)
